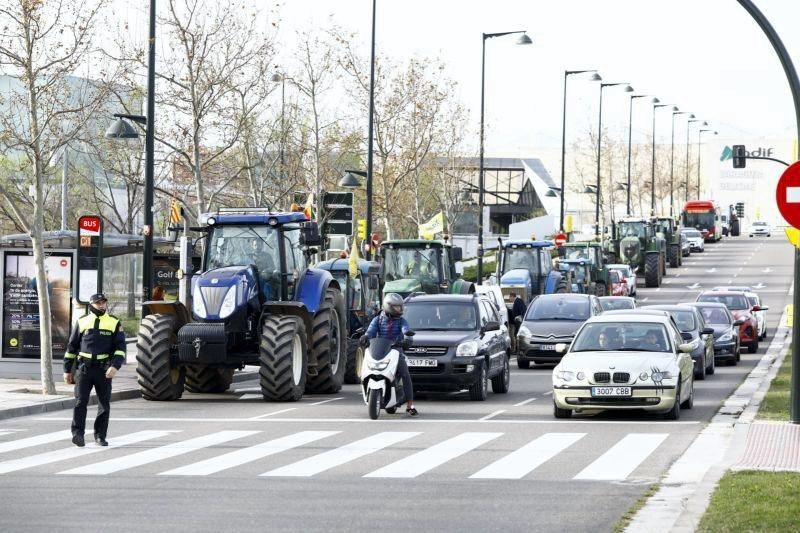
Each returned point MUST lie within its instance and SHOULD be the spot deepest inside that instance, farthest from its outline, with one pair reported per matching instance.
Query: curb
(61, 404)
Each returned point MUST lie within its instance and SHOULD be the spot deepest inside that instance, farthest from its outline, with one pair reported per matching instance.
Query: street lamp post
(688, 126)
(653, 162)
(699, 150)
(595, 77)
(370, 134)
(281, 78)
(672, 161)
(628, 89)
(523, 39)
(630, 133)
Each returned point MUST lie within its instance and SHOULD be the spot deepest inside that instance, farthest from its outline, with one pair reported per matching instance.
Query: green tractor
(643, 248)
(593, 254)
(417, 265)
(669, 229)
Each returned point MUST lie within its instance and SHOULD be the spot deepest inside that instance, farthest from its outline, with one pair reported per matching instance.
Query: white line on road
(438, 454)
(259, 417)
(523, 461)
(548, 393)
(326, 401)
(158, 454)
(72, 453)
(623, 458)
(339, 456)
(492, 415)
(34, 441)
(248, 455)
(526, 402)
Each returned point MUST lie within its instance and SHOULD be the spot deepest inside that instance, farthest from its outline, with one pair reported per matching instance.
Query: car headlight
(228, 303)
(727, 337)
(524, 331)
(565, 375)
(661, 376)
(198, 306)
(467, 349)
(378, 365)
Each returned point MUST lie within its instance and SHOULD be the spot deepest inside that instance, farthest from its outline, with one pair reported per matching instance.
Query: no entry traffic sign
(787, 195)
(560, 239)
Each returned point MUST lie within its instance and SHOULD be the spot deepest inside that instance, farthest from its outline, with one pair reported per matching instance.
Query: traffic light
(739, 156)
(362, 228)
(740, 209)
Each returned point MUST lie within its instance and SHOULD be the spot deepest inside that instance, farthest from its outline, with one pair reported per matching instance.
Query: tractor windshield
(632, 229)
(243, 246)
(415, 263)
(524, 258)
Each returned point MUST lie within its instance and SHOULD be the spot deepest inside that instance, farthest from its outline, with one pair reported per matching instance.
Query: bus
(704, 215)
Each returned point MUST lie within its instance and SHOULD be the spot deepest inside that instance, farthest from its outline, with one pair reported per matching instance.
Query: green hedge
(471, 272)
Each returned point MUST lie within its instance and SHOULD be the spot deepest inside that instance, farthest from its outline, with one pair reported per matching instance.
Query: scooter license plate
(422, 362)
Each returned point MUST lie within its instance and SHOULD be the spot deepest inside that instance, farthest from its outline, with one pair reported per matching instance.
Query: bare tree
(42, 44)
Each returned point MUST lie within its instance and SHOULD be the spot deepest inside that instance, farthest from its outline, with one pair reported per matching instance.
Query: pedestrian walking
(517, 310)
(95, 353)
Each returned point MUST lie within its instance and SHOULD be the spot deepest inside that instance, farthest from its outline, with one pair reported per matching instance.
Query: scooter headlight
(228, 303)
(378, 365)
(198, 305)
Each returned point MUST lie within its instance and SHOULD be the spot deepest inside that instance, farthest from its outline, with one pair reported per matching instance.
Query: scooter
(378, 372)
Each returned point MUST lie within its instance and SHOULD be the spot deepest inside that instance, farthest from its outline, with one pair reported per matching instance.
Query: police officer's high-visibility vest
(97, 337)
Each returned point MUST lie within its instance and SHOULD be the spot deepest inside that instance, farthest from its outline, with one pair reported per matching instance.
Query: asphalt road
(232, 462)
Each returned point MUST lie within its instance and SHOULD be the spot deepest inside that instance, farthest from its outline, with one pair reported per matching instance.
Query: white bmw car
(625, 361)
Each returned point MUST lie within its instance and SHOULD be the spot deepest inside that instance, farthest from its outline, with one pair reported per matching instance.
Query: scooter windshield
(379, 348)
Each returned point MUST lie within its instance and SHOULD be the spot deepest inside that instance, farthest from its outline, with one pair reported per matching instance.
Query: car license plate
(543, 347)
(422, 362)
(611, 391)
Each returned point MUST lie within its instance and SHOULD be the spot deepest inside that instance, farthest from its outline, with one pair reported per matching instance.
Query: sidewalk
(21, 397)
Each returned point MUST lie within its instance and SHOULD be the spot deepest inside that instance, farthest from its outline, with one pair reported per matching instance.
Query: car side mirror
(561, 347)
(491, 326)
(707, 331)
(458, 253)
(738, 322)
(410, 333)
(686, 335)
(685, 348)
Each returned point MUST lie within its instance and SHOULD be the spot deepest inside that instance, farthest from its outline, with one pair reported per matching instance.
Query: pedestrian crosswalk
(385, 454)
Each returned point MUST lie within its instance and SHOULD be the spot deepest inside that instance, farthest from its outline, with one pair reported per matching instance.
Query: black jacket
(98, 336)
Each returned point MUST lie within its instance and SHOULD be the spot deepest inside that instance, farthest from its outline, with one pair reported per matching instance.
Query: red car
(739, 306)
(619, 285)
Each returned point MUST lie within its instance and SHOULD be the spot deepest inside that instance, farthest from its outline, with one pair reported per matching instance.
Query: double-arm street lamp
(123, 130)
(630, 133)
(595, 77)
(653, 162)
(672, 160)
(688, 127)
(699, 150)
(627, 89)
(523, 39)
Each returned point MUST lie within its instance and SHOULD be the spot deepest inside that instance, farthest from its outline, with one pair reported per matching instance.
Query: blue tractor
(526, 268)
(363, 297)
(255, 301)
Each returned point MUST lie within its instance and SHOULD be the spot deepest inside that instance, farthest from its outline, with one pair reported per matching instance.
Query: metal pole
(630, 132)
(283, 127)
(699, 134)
(147, 260)
(795, 389)
(597, 184)
(671, 169)
(370, 134)
(563, 151)
(653, 168)
(480, 169)
(686, 189)
(64, 177)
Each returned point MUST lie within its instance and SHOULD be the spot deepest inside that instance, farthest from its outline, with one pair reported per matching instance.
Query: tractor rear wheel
(355, 356)
(674, 256)
(283, 358)
(208, 380)
(652, 270)
(600, 289)
(158, 380)
(329, 345)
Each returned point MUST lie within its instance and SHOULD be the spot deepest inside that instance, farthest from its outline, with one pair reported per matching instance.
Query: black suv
(460, 343)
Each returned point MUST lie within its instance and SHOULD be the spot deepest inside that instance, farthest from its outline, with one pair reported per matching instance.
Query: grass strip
(775, 405)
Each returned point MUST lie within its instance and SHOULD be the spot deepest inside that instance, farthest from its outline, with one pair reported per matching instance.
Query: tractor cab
(418, 265)
(526, 268)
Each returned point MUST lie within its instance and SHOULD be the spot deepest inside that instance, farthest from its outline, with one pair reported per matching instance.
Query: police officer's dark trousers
(87, 376)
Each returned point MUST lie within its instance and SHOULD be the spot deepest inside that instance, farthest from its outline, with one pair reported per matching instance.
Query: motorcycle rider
(390, 324)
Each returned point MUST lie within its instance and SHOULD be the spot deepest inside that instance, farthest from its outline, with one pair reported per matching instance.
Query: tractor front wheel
(652, 270)
(158, 380)
(283, 358)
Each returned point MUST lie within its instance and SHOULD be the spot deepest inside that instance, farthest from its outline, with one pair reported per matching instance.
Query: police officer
(97, 350)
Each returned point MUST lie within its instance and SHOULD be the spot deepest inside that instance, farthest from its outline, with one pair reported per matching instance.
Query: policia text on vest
(95, 352)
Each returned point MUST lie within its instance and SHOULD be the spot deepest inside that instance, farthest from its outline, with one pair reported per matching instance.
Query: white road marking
(72, 453)
(248, 455)
(35, 441)
(548, 393)
(526, 402)
(251, 397)
(344, 454)
(158, 454)
(259, 417)
(622, 458)
(438, 454)
(492, 415)
(524, 460)
(326, 401)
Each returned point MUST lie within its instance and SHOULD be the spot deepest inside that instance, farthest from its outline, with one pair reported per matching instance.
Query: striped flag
(175, 212)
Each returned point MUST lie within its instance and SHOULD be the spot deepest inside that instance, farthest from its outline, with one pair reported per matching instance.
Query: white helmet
(393, 305)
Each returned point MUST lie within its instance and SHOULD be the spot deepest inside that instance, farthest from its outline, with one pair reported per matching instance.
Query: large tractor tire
(284, 358)
(158, 380)
(674, 255)
(561, 288)
(329, 345)
(208, 380)
(663, 264)
(600, 289)
(652, 270)
(355, 358)
(735, 228)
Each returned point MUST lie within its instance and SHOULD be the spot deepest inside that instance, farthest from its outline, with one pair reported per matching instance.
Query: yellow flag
(308, 209)
(430, 228)
(174, 212)
(352, 264)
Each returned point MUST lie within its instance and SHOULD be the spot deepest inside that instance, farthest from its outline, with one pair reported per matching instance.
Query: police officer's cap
(99, 297)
